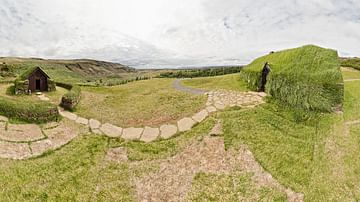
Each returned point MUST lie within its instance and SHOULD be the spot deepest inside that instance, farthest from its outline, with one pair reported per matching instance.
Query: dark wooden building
(38, 80)
(34, 80)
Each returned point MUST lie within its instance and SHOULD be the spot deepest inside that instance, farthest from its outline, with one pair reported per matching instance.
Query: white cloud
(175, 32)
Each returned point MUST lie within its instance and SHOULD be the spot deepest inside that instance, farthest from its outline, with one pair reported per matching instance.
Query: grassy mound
(308, 77)
(32, 112)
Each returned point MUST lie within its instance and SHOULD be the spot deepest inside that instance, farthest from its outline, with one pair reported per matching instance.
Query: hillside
(307, 77)
(78, 70)
(350, 62)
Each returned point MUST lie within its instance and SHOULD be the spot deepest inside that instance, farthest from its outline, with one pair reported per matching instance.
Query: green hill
(79, 70)
(350, 62)
(307, 77)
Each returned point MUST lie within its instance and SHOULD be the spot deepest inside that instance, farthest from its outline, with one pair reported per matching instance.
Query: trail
(178, 86)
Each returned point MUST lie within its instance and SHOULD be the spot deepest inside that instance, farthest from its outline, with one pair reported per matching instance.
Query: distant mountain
(69, 70)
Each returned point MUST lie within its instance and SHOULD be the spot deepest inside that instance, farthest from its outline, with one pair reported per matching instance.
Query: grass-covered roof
(25, 75)
(306, 77)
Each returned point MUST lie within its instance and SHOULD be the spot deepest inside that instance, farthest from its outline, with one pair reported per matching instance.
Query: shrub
(308, 77)
(32, 112)
(71, 98)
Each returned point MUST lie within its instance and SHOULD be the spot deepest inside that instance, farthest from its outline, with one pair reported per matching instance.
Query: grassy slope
(307, 77)
(350, 62)
(226, 82)
(150, 102)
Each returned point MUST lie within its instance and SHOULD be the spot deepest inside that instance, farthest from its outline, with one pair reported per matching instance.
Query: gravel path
(178, 86)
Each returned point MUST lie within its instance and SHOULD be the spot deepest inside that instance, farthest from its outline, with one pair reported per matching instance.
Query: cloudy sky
(171, 33)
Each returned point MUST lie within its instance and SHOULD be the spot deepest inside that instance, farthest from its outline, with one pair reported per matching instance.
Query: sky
(175, 33)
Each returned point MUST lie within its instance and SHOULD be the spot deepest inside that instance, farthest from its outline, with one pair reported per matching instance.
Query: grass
(54, 96)
(80, 172)
(350, 73)
(75, 173)
(352, 100)
(225, 82)
(150, 102)
(282, 146)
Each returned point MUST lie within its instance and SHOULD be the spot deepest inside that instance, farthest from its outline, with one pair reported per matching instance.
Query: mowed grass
(350, 73)
(151, 103)
(225, 82)
(352, 100)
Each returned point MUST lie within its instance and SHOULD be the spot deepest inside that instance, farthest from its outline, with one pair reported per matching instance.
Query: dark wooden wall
(43, 81)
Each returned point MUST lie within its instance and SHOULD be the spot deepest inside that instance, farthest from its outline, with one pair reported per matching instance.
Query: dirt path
(172, 182)
(349, 80)
(178, 86)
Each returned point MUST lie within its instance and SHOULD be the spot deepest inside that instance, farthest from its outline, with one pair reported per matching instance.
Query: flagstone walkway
(22, 141)
(217, 100)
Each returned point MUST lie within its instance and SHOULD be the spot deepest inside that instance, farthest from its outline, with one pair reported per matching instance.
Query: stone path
(177, 85)
(217, 100)
(22, 141)
(172, 182)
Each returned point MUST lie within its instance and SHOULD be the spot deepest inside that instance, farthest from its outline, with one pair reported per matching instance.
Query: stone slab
(132, 133)
(68, 115)
(200, 116)
(167, 131)
(94, 124)
(149, 134)
(60, 136)
(185, 124)
(111, 130)
(211, 109)
(21, 133)
(82, 121)
(16, 151)
(41, 147)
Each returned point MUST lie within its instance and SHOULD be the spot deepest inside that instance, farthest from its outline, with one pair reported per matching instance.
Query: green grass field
(151, 103)
(350, 62)
(314, 153)
(226, 82)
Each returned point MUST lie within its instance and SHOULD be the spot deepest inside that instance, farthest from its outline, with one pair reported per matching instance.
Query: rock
(132, 133)
(185, 124)
(150, 134)
(68, 115)
(111, 130)
(82, 121)
(3, 119)
(211, 109)
(168, 131)
(94, 124)
(200, 116)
